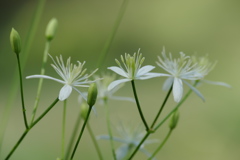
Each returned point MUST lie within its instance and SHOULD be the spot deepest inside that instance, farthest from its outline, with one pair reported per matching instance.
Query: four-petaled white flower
(133, 69)
(73, 76)
(104, 94)
(130, 137)
(181, 69)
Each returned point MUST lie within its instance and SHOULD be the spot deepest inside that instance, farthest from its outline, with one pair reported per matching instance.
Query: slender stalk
(161, 108)
(14, 83)
(64, 127)
(138, 105)
(81, 132)
(162, 144)
(42, 72)
(151, 131)
(140, 144)
(176, 107)
(30, 127)
(108, 43)
(110, 130)
(94, 142)
(21, 90)
(73, 136)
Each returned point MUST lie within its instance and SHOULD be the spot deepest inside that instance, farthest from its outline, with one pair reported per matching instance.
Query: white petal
(194, 90)
(145, 70)
(122, 151)
(123, 98)
(65, 92)
(117, 82)
(217, 83)
(46, 77)
(177, 89)
(119, 71)
(152, 75)
(168, 83)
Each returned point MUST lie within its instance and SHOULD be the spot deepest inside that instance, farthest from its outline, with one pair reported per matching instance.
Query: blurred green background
(207, 131)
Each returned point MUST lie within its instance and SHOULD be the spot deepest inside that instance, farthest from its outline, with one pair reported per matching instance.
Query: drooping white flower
(105, 94)
(182, 69)
(130, 137)
(73, 76)
(132, 69)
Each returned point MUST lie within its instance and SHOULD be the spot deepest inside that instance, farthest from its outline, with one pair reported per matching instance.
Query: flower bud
(15, 41)
(84, 110)
(174, 120)
(51, 29)
(92, 94)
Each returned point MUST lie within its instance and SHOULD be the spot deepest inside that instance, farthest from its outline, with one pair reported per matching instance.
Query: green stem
(22, 95)
(161, 145)
(138, 105)
(42, 72)
(73, 137)
(14, 83)
(30, 127)
(140, 144)
(151, 131)
(108, 43)
(81, 132)
(161, 108)
(94, 142)
(109, 130)
(64, 127)
(176, 107)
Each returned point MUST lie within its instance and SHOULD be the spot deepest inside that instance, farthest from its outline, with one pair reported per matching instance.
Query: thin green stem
(138, 105)
(108, 43)
(42, 72)
(110, 130)
(22, 95)
(140, 144)
(94, 142)
(161, 108)
(81, 132)
(176, 107)
(64, 127)
(151, 131)
(30, 127)
(14, 83)
(73, 136)
(161, 145)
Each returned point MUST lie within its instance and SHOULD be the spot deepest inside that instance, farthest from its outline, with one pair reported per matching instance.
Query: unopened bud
(92, 94)
(174, 120)
(84, 110)
(15, 41)
(51, 29)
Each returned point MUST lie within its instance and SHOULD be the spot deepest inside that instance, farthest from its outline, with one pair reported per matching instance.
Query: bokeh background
(207, 130)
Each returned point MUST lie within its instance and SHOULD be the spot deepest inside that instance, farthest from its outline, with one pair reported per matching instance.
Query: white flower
(133, 69)
(181, 69)
(105, 94)
(73, 76)
(130, 137)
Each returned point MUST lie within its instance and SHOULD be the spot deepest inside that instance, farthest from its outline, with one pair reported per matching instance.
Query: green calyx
(92, 94)
(51, 29)
(15, 41)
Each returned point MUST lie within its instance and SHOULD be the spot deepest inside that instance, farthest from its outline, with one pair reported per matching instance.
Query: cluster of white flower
(178, 71)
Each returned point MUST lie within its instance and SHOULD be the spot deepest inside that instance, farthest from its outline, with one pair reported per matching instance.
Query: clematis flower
(130, 137)
(73, 76)
(105, 94)
(182, 69)
(132, 69)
